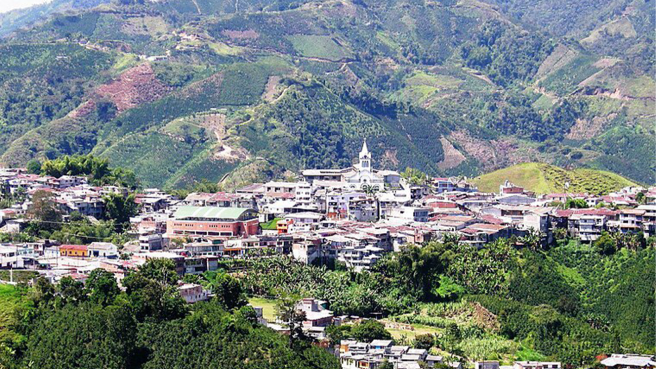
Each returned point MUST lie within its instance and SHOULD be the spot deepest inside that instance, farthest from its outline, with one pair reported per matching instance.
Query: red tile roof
(73, 247)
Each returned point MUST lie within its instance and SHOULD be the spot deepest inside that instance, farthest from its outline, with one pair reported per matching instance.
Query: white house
(192, 293)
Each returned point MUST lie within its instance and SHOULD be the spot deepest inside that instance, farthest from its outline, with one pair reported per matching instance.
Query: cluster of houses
(353, 215)
(372, 355)
(356, 355)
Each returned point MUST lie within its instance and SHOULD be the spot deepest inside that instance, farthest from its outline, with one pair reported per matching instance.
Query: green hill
(545, 178)
(448, 87)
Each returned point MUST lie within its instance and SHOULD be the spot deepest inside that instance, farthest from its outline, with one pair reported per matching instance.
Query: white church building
(359, 176)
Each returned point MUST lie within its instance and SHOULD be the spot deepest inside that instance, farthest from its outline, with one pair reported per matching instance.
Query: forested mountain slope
(25, 17)
(181, 90)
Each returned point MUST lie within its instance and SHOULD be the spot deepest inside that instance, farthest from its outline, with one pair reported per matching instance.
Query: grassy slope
(11, 299)
(545, 178)
(489, 345)
(268, 307)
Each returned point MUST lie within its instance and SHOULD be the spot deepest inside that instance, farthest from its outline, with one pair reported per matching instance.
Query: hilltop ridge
(181, 90)
(544, 178)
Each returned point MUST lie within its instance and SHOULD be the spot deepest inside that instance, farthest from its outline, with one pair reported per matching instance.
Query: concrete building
(192, 293)
(410, 214)
(212, 222)
(360, 176)
(103, 250)
(629, 361)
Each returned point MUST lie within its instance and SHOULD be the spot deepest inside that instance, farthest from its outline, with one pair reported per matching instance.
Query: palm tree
(368, 189)
(618, 238)
(451, 239)
(532, 240)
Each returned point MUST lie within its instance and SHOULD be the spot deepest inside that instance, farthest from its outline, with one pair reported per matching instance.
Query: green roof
(209, 212)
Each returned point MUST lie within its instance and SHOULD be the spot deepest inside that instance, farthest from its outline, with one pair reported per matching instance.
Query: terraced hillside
(181, 90)
(544, 178)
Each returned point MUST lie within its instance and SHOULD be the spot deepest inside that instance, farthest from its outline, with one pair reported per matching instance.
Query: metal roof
(209, 212)
(629, 360)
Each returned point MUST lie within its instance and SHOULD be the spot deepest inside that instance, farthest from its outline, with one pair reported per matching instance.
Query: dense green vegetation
(97, 170)
(506, 54)
(12, 299)
(147, 326)
(12, 21)
(43, 82)
(299, 84)
(568, 302)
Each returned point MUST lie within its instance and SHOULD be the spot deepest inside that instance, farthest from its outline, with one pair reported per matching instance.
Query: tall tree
(102, 287)
(370, 330)
(43, 292)
(120, 208)
(228, 291)
(152, 291)
(70, 290)
(44, 211)
(288, 312)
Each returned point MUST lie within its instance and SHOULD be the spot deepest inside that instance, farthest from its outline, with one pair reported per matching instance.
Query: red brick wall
(239, 228)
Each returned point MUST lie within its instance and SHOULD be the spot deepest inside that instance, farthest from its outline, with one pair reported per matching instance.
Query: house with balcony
(588, 227)
(360, 257)
(631, 220)
(360, 355)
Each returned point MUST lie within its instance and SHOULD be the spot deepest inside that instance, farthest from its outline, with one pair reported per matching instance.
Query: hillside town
(353, 216)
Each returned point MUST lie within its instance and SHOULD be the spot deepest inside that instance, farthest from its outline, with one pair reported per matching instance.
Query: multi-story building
(359, 355)
(150, 241)
(363, 210)
(214, 248)
(630, 220)
(590, 226)
(212, 222)
(9, 257)
(360, 257)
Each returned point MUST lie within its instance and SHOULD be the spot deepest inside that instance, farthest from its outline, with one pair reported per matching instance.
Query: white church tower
(365, 158)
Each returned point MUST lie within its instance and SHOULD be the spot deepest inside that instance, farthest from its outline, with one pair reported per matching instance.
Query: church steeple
(365, 157)
(364, 153)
